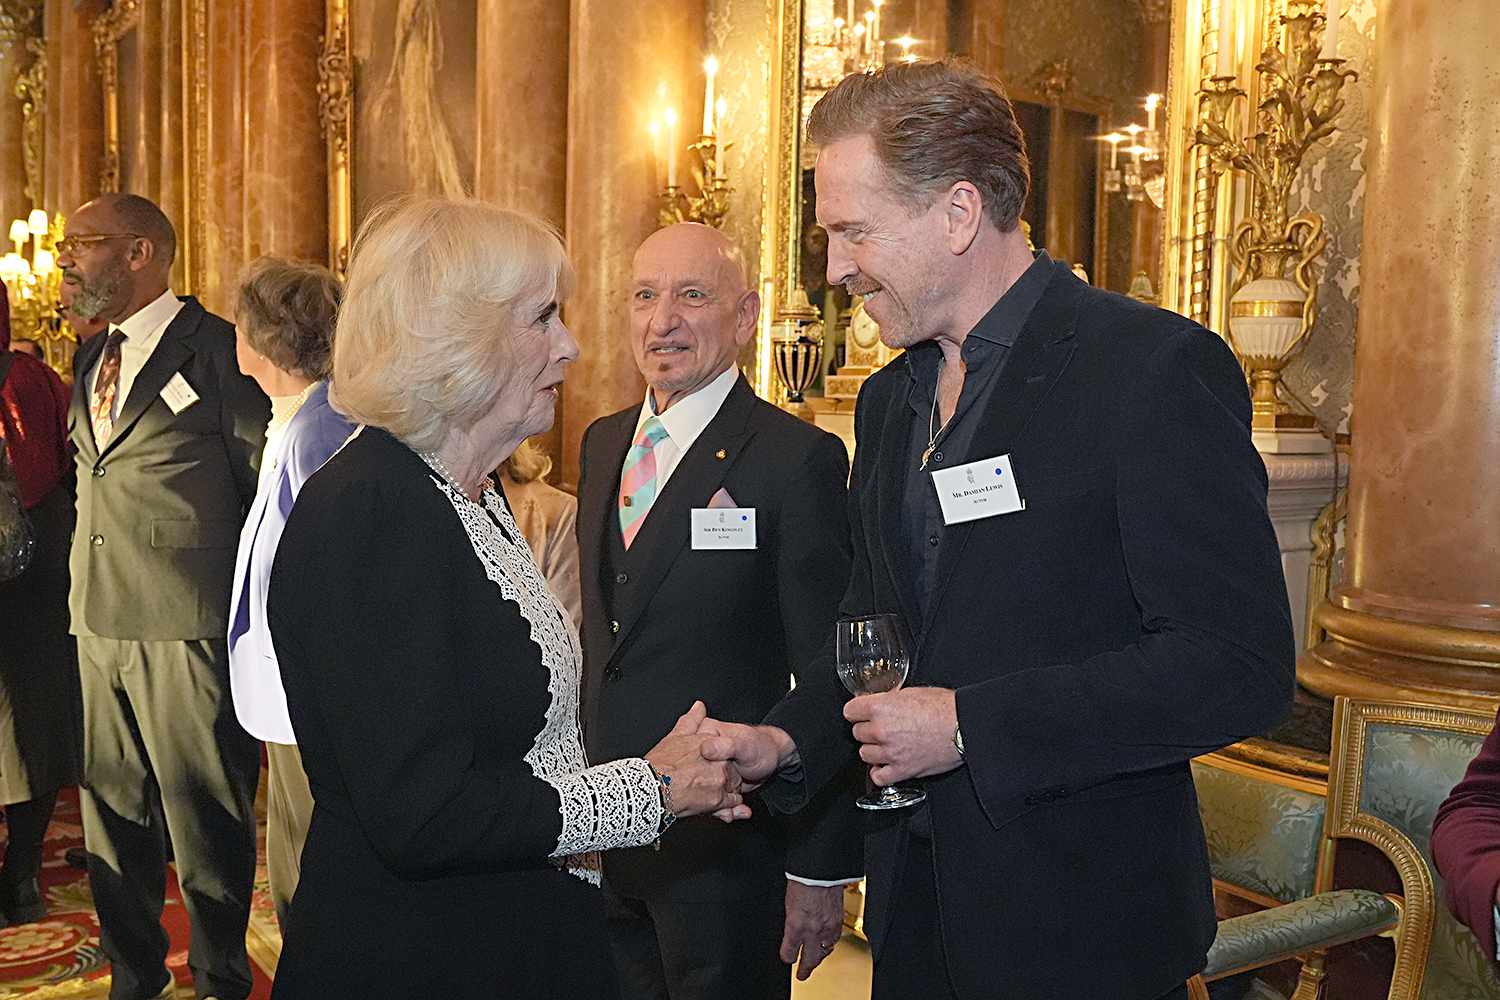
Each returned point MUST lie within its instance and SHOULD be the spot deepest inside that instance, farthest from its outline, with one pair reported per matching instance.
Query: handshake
(713, 765)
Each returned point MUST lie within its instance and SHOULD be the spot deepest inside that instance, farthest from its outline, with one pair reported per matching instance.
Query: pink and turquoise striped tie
(638, 479)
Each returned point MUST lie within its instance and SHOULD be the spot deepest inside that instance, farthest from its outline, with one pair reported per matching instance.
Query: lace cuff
(606, 806)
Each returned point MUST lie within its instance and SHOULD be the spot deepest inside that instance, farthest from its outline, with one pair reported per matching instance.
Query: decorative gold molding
(781, 236)
(336, 115)
(195, 143)
(21, 26)
(1320, 569)
(31, 91)
(109, 28)
(1351, 719)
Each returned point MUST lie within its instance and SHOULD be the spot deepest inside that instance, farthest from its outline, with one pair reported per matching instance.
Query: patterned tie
(106, 383)
(638, 478)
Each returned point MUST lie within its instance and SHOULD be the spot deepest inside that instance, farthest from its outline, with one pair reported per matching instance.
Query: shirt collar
(689, 416)
(1000, 327)
(144, 327)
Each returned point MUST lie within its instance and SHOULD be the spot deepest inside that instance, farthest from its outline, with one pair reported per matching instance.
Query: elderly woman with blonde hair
(431, 676)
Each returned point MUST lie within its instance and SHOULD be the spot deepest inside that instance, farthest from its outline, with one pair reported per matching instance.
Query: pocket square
(722, 499)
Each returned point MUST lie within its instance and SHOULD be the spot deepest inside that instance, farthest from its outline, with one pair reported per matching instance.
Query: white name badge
(980, 489)
(723, 527)
(177, 394)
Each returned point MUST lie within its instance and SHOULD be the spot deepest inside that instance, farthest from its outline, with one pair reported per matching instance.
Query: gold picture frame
(109, 27)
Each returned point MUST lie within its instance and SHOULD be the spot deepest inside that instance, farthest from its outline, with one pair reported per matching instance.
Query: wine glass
(871, 654)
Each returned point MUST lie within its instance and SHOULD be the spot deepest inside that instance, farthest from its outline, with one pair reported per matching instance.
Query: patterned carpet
(59, 956)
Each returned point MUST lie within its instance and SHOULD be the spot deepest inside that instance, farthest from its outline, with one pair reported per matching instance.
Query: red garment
(33, 420)
(1466, 843)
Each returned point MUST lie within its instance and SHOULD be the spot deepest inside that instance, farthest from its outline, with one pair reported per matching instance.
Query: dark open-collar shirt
(984, 353)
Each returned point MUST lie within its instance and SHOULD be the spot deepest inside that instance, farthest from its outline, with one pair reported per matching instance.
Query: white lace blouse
(616, 804)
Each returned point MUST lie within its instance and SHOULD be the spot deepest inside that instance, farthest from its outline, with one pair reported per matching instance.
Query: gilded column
(521, 149)
(1418, 615)
(622, 58)
(74, 130)
(285, 180)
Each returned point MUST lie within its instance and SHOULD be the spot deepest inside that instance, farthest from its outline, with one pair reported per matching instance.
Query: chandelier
(34, 285)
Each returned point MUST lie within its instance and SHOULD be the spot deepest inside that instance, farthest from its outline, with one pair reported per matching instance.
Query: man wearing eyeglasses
(168, 435)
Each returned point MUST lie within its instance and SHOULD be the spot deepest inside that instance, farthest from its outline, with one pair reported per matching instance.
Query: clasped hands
(903, 734)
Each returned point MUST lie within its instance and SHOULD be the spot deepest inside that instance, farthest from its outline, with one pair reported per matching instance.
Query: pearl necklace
(438, 466)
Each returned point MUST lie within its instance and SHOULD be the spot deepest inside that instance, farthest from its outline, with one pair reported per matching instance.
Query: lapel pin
(630, 501)
(721, 454)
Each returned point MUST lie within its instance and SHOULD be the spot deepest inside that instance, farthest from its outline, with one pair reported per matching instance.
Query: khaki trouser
(288, 813)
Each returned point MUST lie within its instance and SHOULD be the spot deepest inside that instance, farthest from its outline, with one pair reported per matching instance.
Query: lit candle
(1114, 139)
(849, 12)
(19, 234)
(875, 20)
(656, 158)
(1331, 32)
(710, 70)
(36, 222)
(1226, 38)
(1151, 102)
(671, 118)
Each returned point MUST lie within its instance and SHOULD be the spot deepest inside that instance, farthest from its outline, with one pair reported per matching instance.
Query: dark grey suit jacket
(160, 508)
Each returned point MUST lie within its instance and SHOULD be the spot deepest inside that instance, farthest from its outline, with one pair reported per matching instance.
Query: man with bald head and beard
(714, 548)
(168, 434)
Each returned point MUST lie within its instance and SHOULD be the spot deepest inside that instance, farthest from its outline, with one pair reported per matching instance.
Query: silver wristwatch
(958, 741)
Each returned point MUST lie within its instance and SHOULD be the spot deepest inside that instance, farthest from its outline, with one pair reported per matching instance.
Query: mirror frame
(336, 117)
(1193, 278)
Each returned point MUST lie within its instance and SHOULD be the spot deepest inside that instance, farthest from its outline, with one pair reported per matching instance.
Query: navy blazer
(1132, 616)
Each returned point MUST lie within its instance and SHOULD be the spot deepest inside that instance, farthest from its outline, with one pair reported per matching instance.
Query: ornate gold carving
(31, 91)
(1351, 718)
(781, 239)
(1278, 763)
(21, 24)
(1324, 535)
(108, 28)
(195, 143)
(336, 114)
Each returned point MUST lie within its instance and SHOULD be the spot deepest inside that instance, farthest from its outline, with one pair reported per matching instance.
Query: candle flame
(710, 65)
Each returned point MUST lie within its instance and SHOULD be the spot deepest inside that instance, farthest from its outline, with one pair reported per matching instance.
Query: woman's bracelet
(668, 817)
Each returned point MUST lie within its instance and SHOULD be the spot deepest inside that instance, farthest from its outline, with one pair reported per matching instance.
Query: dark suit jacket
(159, 510)
(727, 627)
(1466, 843)
(1132, 616)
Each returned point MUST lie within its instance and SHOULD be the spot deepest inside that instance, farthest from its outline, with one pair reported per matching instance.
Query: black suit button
(613, 674)
(98, 472)
(614, 627)
(96, 540)
(937, 456)
(622, 578)
(933, 541)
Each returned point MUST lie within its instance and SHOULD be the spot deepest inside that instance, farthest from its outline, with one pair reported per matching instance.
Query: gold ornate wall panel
(335, 112)
(109, 28)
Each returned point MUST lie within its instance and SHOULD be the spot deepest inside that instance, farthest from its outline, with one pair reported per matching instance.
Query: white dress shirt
(143, 332)
(684, 420)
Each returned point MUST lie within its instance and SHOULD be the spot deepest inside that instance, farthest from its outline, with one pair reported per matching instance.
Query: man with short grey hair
(1055, 488)
(168, 435)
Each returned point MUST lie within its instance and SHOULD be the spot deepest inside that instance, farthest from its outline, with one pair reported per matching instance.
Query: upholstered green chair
(1264, 818)
(1392, 766)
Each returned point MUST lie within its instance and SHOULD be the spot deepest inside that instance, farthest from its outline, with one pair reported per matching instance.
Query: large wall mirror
(1089, 80)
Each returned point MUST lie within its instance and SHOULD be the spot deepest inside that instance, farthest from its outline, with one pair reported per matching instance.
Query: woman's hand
(697, 785)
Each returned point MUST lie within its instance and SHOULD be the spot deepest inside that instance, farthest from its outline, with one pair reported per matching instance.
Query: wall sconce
(1274, 304)
(1142, 177)
(709, 173)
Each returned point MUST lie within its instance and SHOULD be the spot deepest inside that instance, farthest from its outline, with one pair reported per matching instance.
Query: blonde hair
(527, 463)
(436, 289)
(287, 310)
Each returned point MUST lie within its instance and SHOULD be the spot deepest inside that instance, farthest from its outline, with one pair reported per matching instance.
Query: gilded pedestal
(1419, 613)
